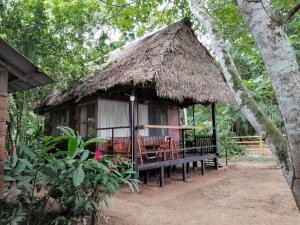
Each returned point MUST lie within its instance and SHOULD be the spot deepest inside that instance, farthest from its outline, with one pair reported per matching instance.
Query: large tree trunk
(260, 122)
(281, 63)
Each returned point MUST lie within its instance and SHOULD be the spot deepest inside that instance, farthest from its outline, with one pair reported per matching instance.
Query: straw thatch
(172, 59)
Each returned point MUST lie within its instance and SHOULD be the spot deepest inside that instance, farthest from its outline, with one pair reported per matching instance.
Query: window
(87, 120)
(113, 114)
(158, 115)
(59, 117)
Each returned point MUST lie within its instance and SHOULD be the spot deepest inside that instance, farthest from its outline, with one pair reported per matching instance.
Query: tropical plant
(51, 184)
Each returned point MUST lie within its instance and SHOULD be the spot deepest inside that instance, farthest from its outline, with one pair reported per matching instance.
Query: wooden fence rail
(252, 143)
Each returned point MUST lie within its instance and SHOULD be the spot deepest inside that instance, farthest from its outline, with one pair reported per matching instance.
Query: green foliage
(71, 178)
(67, 38)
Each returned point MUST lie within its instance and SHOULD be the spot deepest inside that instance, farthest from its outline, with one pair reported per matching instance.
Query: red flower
(11, 150)
(117, 161)
(97, 155)
(111, 169)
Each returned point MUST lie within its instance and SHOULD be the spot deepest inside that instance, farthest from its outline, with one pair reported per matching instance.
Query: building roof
(172, 59)
(22, 73)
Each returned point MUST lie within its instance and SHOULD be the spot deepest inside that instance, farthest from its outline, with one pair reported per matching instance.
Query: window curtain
(158, 116)
(143, 119)
(113, 114)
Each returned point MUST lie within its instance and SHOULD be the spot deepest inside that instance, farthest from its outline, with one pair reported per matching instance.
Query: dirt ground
(247, 192)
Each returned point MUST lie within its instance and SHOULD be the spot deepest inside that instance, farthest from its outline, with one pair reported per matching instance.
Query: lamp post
(132, 100)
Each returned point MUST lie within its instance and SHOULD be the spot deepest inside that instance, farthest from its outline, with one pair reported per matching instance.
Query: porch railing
(200, 144)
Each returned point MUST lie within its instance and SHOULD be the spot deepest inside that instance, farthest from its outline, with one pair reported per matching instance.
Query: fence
(252, 143)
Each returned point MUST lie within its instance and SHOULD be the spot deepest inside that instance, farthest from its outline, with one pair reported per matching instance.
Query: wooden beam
(26, 78)
(3, 108)
(3, 81)
(14, 72)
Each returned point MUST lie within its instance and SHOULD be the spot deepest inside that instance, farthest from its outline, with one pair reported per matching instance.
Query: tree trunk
(282, 66)
(260, 122)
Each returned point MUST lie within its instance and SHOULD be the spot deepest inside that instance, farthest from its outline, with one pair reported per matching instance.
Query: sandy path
(245, 193)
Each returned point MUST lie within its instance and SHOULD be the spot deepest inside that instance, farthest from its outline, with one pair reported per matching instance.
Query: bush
(48, 185)
(227, 141)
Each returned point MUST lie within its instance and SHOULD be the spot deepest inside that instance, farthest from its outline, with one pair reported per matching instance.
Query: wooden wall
(173, 119)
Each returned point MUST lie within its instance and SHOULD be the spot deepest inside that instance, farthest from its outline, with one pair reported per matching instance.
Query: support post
(162, 176)
(214, 130)
(132, 99)
(261, 148)
(202, 167)
(194, 135)
(184, 172)
(3, 109)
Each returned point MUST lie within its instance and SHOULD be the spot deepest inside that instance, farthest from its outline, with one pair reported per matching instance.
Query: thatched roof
(172, 59)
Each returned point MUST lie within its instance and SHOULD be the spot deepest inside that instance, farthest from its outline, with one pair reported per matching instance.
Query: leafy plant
(70, 183)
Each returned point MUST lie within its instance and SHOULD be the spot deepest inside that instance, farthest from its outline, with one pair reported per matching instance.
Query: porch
(163, 152)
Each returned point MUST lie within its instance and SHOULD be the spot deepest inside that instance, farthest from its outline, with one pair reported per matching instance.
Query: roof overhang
(22, 73)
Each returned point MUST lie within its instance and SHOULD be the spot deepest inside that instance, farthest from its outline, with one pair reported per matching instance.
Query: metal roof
(22, 73)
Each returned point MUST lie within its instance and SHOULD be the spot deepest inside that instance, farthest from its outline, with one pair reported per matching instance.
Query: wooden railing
(252, 143)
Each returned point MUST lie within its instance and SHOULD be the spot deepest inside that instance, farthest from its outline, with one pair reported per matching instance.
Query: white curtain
(113, 114)
(143, 119)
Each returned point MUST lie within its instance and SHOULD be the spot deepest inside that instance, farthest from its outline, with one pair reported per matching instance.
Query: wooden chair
(175, 151)
(142, 153)
(118, 147)
(167, 150)
(127, 153)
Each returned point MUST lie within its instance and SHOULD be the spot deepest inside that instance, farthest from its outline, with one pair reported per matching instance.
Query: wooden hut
(135, 97)
(17, 73)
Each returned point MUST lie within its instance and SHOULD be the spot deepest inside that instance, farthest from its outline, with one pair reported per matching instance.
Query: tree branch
(116, 5)
(292, 12)
(259, 121)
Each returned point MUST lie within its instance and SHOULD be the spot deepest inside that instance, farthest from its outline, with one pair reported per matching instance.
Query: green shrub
(71, 179)
(227, 141)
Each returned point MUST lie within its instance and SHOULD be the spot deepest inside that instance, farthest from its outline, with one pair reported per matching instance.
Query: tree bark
(282, 66)
(260, 122)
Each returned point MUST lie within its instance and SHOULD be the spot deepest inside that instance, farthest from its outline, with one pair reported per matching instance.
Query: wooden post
(184, 172)
(162, 176)
(133, 133)
(214, 129)
(202, 163)
(3, 108)
(194, 135)
(261, 148)
(202, 167)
